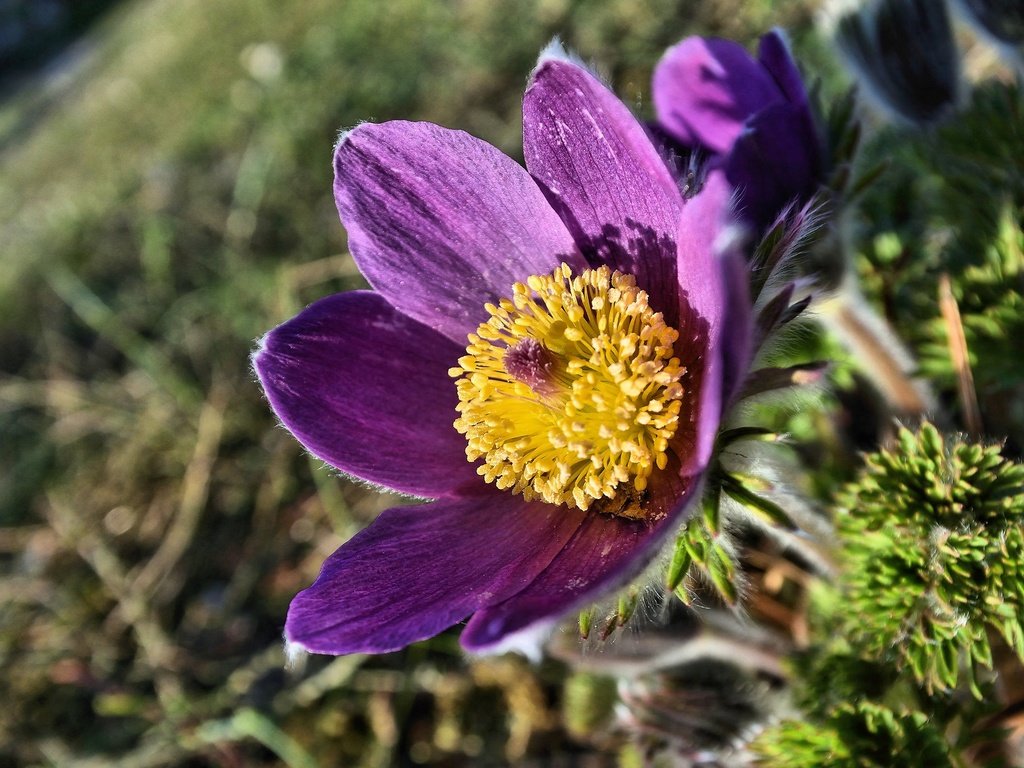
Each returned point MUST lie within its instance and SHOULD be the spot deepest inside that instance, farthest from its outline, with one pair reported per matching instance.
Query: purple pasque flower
(752, 116)
(545, 355)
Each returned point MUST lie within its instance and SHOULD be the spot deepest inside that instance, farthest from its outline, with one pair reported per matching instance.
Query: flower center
(569, 391)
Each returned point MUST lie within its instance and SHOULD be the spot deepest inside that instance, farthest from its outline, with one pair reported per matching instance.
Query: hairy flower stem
(878, 352)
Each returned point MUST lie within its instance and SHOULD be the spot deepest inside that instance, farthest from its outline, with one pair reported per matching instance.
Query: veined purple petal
(418, 570)
(603, 174)
(773, 53)
(704, 90)
(441, 222)
(715, 306)
(366, 389)
(774, 162)
(605, 554)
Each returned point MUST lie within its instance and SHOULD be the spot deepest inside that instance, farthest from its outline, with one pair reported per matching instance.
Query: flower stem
(878, 352)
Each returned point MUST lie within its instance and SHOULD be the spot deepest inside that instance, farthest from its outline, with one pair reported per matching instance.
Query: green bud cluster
(855, 736)
(931, 538)
(990, 296)
(705, 554)
(933, 544)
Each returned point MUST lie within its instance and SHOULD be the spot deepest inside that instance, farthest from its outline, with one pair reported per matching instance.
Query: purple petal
(774, 162)
(773, 53)
(367, 390)
(605, 554)
(603, 174)
(418, 570)
(440, 222)
(705, 89)
(716, 307)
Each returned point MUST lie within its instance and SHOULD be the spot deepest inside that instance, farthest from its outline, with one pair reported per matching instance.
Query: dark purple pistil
(531, 363)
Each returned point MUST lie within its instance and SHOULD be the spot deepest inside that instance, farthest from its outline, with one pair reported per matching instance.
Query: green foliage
(973, 167)
(703, 554)
(944, 191)
(952, 201)
(860, 735)
(831, 672)
(930, 537)
(706, 553)
(990, 295)
(933, 549)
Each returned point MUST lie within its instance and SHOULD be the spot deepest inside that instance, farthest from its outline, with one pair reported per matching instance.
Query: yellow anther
(570, 392)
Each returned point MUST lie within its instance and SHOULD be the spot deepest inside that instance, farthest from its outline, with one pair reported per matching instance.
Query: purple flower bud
(751, 116)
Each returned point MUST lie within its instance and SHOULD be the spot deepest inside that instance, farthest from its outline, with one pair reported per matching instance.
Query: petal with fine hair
(366, 389)
(605, 554)
(603, 175)
(774, 162)
(418, 570)
(441, 222)
(715, 305)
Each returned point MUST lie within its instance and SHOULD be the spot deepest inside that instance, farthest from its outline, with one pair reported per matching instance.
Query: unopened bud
(904, 53)
(586, 622)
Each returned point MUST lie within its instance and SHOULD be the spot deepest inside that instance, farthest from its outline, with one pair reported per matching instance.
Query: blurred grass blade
(105, 322)
(248, 723)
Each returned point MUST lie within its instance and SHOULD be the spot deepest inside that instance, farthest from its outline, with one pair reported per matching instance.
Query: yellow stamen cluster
(569, 391)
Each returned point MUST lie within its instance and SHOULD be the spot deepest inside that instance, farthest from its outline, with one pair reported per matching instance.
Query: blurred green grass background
(165, 198)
